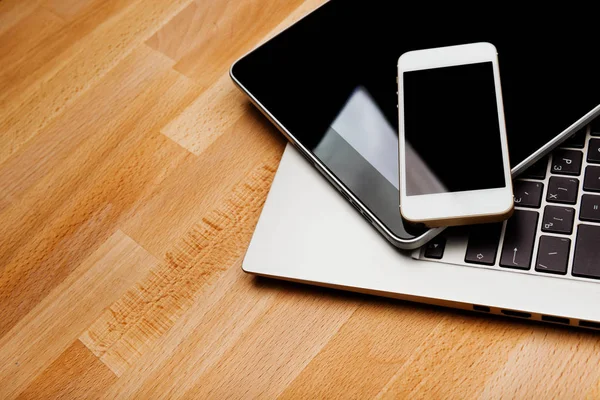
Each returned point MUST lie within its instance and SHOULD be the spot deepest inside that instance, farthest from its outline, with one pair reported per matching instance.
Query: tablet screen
(330, 81)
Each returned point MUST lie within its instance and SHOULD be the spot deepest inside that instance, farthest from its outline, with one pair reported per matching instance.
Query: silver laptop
(328, 83)
(308, 233)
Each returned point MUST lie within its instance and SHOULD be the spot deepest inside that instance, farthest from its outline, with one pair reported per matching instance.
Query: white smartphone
(453, 152)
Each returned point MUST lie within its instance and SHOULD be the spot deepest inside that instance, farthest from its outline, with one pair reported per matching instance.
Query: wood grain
(130, 326)
(132, 175)
(13, 11)
(76, 374)
(48, 330)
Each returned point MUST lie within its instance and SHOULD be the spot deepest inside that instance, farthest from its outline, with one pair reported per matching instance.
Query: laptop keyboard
(555, 229)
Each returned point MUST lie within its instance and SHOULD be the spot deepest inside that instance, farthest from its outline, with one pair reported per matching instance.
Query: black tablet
(329, 84)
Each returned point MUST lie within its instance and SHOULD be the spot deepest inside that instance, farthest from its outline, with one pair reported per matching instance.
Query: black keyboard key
(558, 219)
(566, 162)
(562, 190)
(594, 151)
(553, 255)
(591, 182)
(537, 170)
(587, 252)
(590, 209)
(435, 248)
(577, 140)
(519, 239)
(483, 244)
(528, 194)
(595, 127)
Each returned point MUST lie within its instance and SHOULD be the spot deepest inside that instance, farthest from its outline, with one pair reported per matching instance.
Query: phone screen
(452, 132)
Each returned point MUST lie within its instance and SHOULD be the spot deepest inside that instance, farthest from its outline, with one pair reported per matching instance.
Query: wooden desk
(132, 174)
